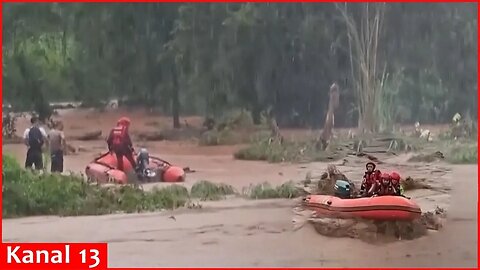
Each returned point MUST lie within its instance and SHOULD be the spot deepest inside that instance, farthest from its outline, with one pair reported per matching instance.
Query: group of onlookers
(37, 139)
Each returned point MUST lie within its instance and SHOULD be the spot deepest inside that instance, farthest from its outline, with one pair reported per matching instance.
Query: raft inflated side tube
(103, 174)
(111, 160)
(375, 208)
(173, 174)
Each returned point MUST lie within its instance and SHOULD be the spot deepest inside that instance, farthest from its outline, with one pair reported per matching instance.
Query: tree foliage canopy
(208, 58)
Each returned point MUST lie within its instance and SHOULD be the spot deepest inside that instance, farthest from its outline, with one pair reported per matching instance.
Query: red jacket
(119, 139)
(370, 179)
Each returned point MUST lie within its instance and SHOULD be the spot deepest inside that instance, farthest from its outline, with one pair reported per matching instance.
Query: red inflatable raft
(104, 170)
(376, 208)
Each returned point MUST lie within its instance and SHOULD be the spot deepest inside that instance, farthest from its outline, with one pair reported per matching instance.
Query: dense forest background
(394, 62)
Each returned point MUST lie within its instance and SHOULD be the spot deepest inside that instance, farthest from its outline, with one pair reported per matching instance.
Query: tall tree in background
(364, 30)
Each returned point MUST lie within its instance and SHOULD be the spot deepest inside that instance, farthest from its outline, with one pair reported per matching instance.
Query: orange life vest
(119, 133)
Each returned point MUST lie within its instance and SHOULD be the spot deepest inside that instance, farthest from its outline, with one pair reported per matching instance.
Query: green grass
(208, 191)
(223, 137)
(47, 160)
(461, 151)
(27, 193)
(233, 128)
(287, 190)
(463, 154)
(229, 136)
(288, 151)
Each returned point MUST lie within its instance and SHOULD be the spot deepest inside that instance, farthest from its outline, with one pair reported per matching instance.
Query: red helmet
(123, 121)
(386, 176)
(385, 179)
(395, 176)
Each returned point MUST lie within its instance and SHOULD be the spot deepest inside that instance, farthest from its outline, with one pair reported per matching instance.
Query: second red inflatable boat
(104, 170)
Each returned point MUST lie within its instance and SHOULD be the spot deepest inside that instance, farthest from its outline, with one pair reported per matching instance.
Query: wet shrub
(222, 137)
(208, 191)
(234, 127)
(288, 151)
(265, 190)
(463, 154)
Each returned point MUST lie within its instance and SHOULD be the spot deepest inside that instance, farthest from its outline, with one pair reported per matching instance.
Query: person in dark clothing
(119, 142)
(35, 137)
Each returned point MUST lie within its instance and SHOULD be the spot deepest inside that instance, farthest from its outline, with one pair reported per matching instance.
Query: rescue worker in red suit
(396, 183)
(385, 186)
(119, 142)
(370, 180)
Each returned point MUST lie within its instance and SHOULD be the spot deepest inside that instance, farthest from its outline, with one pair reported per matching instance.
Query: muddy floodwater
(256, 233)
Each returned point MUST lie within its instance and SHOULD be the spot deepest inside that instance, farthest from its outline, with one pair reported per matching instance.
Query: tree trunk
(175, 100)
(64, 44)
(256, 114)
(327, 132)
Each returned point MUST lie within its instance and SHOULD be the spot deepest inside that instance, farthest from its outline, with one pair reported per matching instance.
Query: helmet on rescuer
(386, 178)
(123, 121)
(395, 176)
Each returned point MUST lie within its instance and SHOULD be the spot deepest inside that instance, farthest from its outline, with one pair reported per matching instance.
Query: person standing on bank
(35, 137)
(56, 141)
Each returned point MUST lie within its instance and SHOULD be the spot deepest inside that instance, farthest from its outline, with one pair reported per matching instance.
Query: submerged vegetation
(27, 193)
(267, 191)
(463, 154)
(288, 151)
(208, 191)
